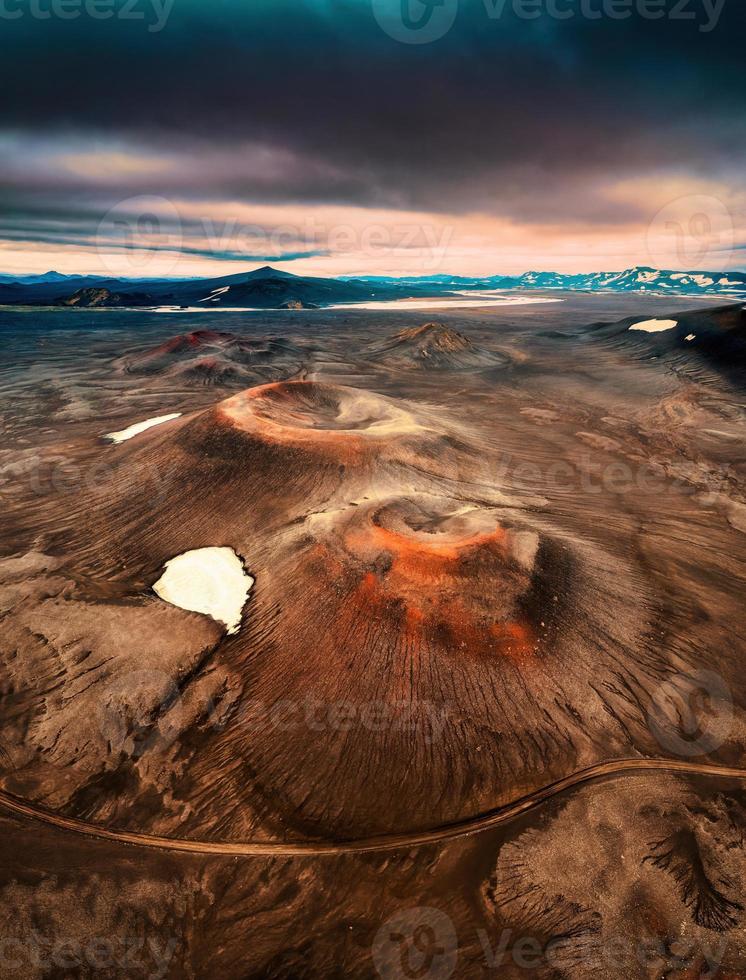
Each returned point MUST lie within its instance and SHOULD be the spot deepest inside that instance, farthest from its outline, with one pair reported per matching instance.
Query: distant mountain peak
(268, 272)
(51, 276)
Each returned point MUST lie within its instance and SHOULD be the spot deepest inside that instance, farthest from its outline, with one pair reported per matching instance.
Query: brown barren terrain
(488, 678)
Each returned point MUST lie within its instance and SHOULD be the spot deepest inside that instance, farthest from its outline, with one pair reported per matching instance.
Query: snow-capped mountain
(641, 279)
(269, 288)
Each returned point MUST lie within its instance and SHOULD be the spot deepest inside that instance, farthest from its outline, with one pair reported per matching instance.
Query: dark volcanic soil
(488, 553)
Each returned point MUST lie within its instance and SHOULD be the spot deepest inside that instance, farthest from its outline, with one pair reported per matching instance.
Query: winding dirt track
(465, 828)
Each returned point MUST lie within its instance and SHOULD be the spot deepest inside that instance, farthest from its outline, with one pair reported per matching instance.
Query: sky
(394, 137)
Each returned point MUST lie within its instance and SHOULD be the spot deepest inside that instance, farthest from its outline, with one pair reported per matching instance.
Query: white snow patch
(691, 336)
(201, 309)
(138, 427)
(654, 326)
(211, 581)
(703, 280)
(215, 294)
(464, 301)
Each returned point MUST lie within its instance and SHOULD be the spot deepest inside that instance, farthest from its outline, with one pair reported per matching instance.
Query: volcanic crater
(387, 570)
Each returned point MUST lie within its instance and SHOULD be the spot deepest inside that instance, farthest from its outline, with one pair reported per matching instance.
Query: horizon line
(436, 275)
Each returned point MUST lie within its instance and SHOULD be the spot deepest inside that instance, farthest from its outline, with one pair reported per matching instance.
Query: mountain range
(638, 279)
(268, 288)
(36, 279)
(264, 288)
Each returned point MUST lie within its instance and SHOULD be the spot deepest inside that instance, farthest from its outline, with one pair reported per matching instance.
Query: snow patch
(215, 294)
(138, 427)
(654, 326)
(211, 581)
(465, 301)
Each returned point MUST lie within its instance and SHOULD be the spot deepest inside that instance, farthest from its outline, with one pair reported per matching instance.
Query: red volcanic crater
(319, 416)
(197, 340)
(214, 357)
(456, 576)
(387, 573)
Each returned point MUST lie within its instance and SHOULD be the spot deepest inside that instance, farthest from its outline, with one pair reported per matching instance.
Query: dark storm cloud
(510, 115)
(45, 222)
